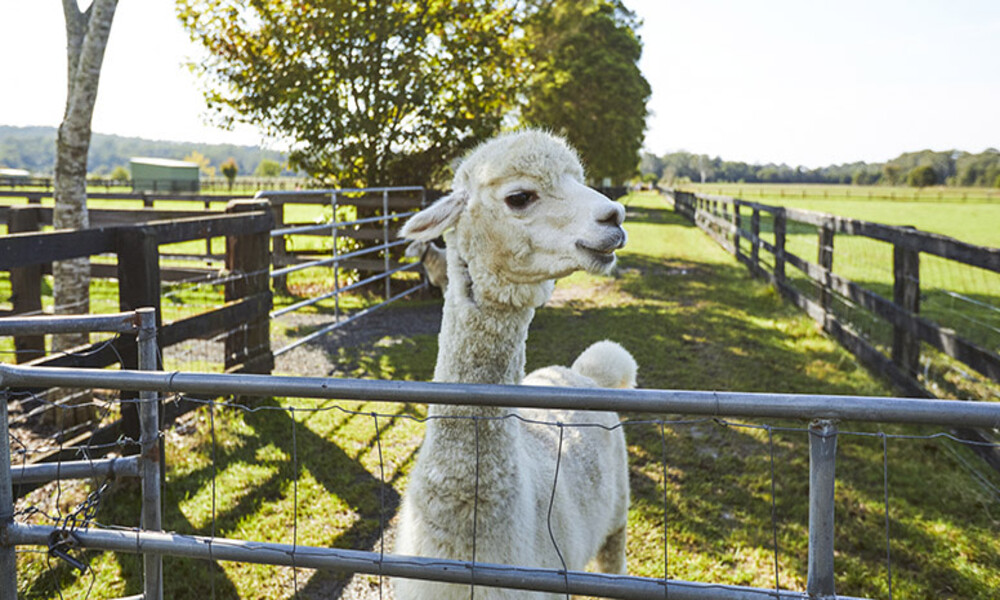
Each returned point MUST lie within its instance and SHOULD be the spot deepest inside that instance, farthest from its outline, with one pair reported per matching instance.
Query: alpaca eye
(519, 200)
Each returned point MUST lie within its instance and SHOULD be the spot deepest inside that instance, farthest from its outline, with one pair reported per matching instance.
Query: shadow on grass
(691, 324)
(317, 457)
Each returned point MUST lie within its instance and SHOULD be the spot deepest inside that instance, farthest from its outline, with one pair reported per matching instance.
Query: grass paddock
(702, 506)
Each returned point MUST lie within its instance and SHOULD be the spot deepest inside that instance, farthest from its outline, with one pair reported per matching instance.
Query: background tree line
(34, 149)
(919, 169)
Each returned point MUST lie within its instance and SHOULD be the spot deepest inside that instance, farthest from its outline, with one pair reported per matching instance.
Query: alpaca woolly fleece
(518, 217)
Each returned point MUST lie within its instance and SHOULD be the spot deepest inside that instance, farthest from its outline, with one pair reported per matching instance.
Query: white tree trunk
(86, 38)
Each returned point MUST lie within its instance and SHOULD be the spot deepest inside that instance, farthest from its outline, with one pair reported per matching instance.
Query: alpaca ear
(435, 219)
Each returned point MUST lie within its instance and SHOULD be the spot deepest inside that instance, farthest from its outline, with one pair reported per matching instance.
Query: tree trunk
(87, 37)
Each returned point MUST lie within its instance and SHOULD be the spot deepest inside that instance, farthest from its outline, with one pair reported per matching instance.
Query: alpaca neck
(483, 333)
(481, 341)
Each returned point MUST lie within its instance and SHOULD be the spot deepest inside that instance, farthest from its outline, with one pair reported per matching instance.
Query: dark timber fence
(898, 357)
(363, 230)
(242, 319)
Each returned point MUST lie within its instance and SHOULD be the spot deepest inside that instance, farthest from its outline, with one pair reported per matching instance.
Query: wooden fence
(368, 203)
(157, 206)
(242, 318)
(27, 253)
(725, 220)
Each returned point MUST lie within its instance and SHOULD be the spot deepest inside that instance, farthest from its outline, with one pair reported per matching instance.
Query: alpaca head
(522, 216)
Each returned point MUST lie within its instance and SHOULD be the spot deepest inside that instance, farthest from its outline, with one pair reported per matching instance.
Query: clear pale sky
(801, 82)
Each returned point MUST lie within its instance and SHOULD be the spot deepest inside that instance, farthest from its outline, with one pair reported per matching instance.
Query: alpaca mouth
(603, 255)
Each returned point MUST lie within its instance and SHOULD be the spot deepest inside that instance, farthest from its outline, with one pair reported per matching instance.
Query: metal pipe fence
(822, 435)
(146, 466)
(872, 409)
(339, 261)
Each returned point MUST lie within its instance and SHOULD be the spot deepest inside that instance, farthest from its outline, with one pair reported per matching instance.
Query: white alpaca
(604, 364)
(434, 260)
(519, 217)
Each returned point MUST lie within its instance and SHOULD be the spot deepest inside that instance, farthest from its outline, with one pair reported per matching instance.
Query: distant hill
(34, 149)
(951, 167)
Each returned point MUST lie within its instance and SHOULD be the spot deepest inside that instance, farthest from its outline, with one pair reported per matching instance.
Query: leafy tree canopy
(586, 83)
(229, 168)
(922, 176)
(367, 92)
(204, 163)
(948, 168)
(120, 174)
(268, 168)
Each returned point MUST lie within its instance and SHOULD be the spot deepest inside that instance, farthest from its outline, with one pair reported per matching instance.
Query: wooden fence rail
(720, 217)
(246, 225)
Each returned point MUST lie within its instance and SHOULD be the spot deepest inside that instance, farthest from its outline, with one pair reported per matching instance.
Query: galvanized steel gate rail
(823, 410)
(334, 261)
(146, 466)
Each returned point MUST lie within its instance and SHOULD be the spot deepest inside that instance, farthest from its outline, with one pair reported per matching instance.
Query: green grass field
(957, 296)
(938, 210)
(703, 489)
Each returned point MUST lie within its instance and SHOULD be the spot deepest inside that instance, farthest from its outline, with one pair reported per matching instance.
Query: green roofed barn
(163, 175)
(14, 176)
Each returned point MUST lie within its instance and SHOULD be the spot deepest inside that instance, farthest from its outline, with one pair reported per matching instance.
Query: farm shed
(14, 176)
(163, 175)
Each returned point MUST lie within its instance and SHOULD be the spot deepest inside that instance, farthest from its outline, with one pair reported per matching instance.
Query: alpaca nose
(613, 215)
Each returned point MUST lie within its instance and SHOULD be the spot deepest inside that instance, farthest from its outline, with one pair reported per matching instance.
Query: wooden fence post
(755, 248)
(906, 294)
(780, 224)
(737, 224)
(248, 261)
(138, 286)
(208, 241)
(279, 248)
(26, 285)
(826, 261)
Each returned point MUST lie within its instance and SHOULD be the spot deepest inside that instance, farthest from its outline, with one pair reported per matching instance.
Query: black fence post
(138, 286)
(26, 285)
(826, 261)
(737, 237)
(248, 261)
(906, 295)
(755, 247)
(780, 226)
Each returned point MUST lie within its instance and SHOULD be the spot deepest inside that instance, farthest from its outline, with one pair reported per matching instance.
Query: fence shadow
(259, 447)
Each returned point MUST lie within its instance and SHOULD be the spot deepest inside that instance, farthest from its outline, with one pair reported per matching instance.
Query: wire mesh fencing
(306, 474)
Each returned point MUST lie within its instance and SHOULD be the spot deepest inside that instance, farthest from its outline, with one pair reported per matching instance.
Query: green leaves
(586, 84)
(390, 92)
(368, 92)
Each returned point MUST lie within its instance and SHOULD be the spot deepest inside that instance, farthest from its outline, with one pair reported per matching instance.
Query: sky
(807, 83)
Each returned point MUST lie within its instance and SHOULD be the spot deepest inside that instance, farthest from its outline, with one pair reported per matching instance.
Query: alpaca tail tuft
(608, 364)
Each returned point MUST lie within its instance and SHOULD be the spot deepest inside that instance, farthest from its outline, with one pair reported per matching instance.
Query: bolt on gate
(824, 411)
(146, 465)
